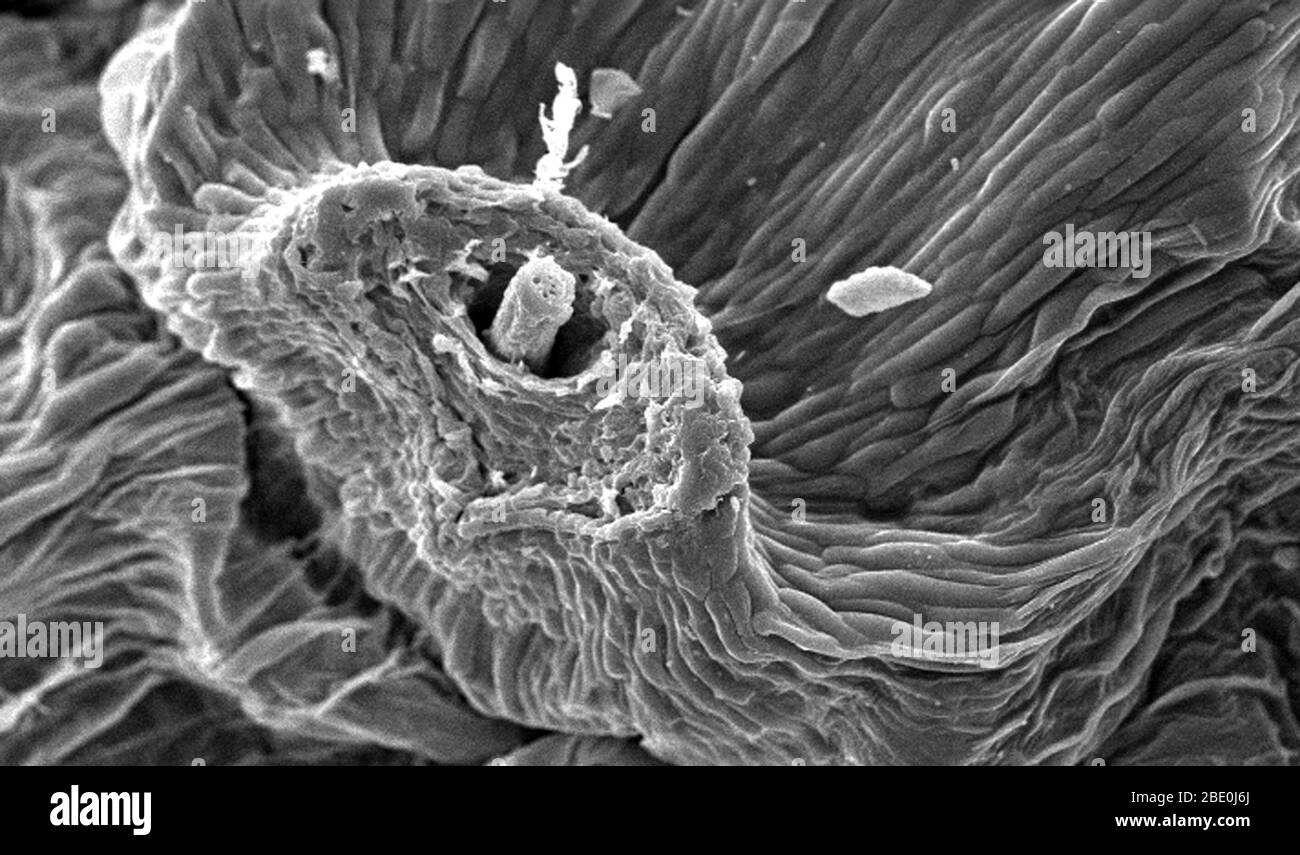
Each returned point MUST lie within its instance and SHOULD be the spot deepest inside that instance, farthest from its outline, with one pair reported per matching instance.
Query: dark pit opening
(578, 339)
(484, 299)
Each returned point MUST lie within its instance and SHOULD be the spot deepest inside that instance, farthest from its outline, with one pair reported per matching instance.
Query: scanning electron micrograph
(650, 382)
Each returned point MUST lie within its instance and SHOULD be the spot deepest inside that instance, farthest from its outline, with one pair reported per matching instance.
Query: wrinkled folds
(707, 580)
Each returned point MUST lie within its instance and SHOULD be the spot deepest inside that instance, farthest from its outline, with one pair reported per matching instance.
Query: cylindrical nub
(537, 302)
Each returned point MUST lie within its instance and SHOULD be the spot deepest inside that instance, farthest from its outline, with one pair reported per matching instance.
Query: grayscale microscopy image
(626, 382)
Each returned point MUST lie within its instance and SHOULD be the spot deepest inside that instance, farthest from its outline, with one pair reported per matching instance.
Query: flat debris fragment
(610, 89)
(875, 290)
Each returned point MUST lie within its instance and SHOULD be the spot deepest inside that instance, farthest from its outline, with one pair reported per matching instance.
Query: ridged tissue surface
(710, 576)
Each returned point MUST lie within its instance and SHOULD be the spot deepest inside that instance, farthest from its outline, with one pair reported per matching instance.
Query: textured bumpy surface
(362, 496)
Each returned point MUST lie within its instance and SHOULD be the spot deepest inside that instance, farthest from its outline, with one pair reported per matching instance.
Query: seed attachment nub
(537, 302)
